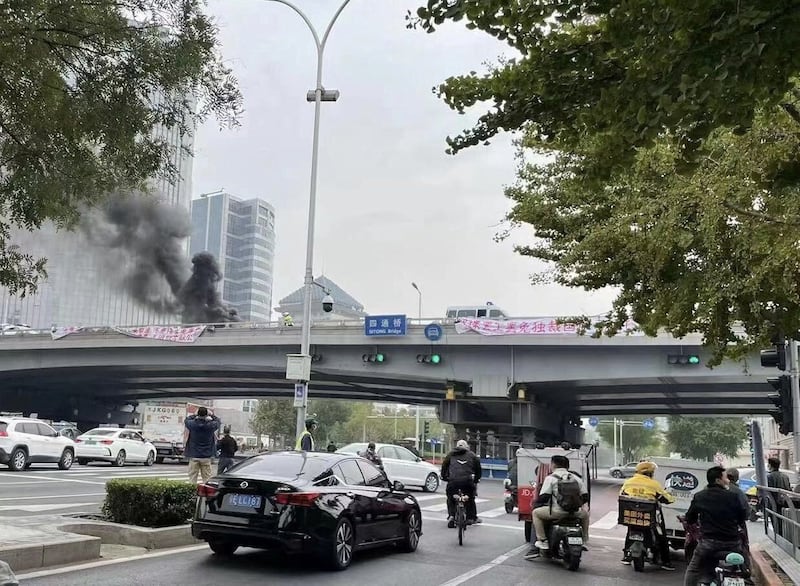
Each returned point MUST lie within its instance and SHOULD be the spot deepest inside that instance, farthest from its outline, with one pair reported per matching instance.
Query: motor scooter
(730, 571)
(509, 496)
(565, 540)
(693, 538)
(642, 517)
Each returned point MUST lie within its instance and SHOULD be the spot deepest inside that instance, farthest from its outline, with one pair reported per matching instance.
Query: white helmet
(462, 444)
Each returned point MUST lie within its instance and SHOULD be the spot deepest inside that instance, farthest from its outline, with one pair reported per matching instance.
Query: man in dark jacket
(720, 513)
(461, 470)
(227, 450)
(200, 446)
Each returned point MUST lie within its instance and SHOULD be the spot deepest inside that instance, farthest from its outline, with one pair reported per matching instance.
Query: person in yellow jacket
(305, 441)
(642, 485)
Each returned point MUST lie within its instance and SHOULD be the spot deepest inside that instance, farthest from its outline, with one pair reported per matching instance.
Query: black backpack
(568, 493)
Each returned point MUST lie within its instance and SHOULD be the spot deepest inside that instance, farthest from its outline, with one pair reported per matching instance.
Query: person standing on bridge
(200, 446)
(305, 441)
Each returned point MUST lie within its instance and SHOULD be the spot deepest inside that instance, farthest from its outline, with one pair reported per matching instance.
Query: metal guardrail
(782, 524)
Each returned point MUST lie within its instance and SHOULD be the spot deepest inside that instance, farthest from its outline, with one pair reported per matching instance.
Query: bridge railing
(782, 518)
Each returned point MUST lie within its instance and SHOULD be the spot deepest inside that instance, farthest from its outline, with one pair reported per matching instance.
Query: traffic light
(691, 359)
(775, 357)
(427, 428)
(377, 358)
(429, 358)
(750, 445)
(316, 358)
(783, 413)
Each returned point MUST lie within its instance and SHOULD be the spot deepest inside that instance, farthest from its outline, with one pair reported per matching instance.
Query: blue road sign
(385, 325)
(593, 421)
(433, 332)
(648, 423)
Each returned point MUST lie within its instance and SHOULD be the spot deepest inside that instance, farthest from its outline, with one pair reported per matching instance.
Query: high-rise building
(241, 234)
(78, 290)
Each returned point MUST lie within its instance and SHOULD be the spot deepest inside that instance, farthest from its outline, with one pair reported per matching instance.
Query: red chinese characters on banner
(180, 334)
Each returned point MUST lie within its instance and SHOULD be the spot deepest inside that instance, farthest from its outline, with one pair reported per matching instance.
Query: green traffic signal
(694, 359)
(379, 357)
(435, 359)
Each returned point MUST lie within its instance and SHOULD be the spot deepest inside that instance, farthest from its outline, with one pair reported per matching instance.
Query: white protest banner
(181, 334)
(540, 326)
(62, 332)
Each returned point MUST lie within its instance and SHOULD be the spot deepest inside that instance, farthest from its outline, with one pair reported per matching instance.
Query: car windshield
(3, 425)
(101, 432)
(282, 465)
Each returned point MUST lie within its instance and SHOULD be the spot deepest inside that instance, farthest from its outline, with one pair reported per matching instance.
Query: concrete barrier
(762, 569)
(114, 533)
(66, 550)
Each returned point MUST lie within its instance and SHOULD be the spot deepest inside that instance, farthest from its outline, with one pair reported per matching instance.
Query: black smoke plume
(143, 241)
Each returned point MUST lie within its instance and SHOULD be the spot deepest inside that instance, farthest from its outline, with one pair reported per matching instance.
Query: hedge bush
(149, 502)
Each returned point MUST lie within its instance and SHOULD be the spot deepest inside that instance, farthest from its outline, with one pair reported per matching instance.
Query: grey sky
(392, 206)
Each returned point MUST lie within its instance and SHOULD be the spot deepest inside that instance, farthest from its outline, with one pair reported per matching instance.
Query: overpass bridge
(519, 381)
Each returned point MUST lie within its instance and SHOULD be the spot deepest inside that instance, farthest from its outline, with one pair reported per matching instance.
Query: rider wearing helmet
(305, 441)
(642, 485)
(461, 470)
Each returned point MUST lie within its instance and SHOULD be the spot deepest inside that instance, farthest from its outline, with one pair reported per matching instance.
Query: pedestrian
(305, 441)
(331, 447)
(200, 446)
(227, 450)
(287, 320)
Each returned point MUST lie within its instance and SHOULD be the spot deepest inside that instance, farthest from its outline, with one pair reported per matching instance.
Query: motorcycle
(509, 496)
(641, 517)
(693, 538)
(565, 538)
(730, 571)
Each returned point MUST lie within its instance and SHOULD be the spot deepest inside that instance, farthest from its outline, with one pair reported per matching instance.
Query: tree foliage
(89, 90)
(622, 71)
(670, 141)
(701, 438)
(633, 441)
(275, 417)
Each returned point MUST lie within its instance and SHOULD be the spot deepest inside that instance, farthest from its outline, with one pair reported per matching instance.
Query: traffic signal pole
(794, 373)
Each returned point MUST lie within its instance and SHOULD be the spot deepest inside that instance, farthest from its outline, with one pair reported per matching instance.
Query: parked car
(66, 429)
(401, 465)
(625, 471)
(115, 445)
(325, 504)
(26, 441)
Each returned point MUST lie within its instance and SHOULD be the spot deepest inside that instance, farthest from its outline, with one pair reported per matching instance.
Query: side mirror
(398, 486)
(418, 459)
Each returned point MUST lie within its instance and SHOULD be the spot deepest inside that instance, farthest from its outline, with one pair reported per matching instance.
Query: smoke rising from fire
(143, 241)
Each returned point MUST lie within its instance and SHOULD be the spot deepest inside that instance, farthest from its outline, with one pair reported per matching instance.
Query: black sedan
(329, 505)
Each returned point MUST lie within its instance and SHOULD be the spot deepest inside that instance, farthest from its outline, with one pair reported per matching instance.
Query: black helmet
(311, 421)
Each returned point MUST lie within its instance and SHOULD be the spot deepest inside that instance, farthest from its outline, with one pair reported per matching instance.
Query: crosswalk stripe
(443, 506)
(428, 497)
(498, 512)
(607, 521)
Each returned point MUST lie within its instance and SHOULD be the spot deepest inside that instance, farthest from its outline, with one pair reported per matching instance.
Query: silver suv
(27, 441)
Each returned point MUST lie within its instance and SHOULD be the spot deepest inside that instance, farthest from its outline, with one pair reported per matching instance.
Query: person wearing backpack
(643, 485)
(562, 494)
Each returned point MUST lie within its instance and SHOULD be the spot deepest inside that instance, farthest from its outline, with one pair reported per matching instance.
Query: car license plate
(575, 540)
(733, 582)
(636, 537)
(244, 501)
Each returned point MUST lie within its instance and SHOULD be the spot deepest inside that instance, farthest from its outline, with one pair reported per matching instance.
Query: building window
(249, 406)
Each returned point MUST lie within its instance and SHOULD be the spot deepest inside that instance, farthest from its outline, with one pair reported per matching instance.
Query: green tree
(700, 438)
(332, 414)
(622, 72)
(633, 441)
(276, 418)
(84, 86)
(671, 135)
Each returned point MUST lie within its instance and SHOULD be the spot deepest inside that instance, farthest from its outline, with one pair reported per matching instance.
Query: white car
(27, 441)
(115, 445)
(401, 465)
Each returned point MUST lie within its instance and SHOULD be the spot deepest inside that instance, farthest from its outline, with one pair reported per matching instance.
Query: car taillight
(106, 442)
(207, 490)
(78, 440)
(297, 499)
(3, 434)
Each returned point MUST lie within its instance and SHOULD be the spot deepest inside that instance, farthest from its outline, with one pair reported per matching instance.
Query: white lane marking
(7, 474)
(491, 513)
(39, 508)
(428, 497)
(101, 563)
(50, 496)
(485, 567)
(26, 483)
(443, 507)
(607, 521)
(519, 528)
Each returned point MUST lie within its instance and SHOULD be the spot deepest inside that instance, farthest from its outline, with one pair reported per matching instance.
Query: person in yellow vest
(642, 485)
(287, 319)
(305, 441)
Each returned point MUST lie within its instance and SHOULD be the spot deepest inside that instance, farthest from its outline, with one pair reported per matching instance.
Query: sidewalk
(36, 542)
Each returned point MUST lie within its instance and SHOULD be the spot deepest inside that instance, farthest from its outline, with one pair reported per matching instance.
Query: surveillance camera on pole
(327, 304)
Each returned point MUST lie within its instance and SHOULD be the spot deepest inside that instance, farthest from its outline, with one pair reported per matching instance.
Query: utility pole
(794, 373)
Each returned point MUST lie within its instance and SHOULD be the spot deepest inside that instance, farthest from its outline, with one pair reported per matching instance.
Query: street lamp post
(419, 307)
(318, 95)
